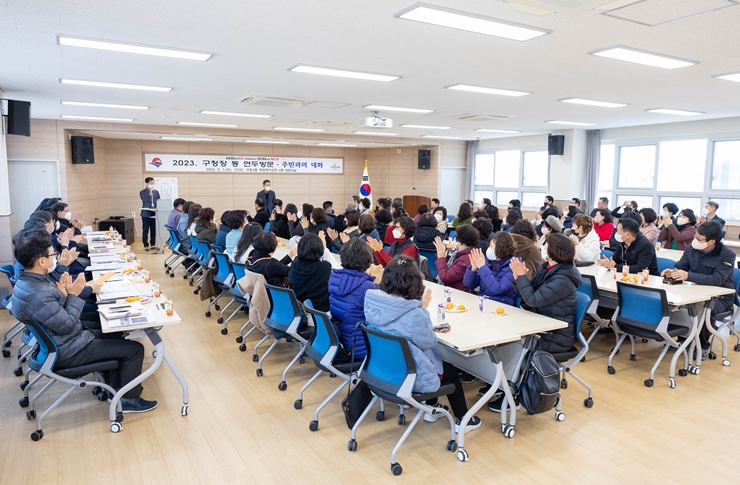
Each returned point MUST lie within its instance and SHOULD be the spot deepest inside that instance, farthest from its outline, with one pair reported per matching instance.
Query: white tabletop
(672, 254)
(677, 295)
(155, 306)
(472, 330)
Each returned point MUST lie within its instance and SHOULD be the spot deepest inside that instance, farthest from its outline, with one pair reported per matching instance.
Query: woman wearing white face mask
(585, 239)
(549, 226)
(679, 235)
(403, 231)
(491, 273)
(440, 215)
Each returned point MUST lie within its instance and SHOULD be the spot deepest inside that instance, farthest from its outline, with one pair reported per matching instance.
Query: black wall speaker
(556, 144)
(425, 159)
(19, 117)
(82, 149)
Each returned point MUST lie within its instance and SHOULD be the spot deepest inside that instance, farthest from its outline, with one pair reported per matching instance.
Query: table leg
(480, 403)
(693, 334)
(183, 383)
(142, 377)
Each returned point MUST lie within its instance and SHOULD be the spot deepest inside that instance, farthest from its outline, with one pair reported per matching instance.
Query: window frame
(521, 187)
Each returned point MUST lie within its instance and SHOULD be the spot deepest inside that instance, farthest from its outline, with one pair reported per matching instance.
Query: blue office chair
(178, 253)
(17, 327)
(284, 318)
(196, 267)
(665, 263)
(589, 288)
(267, 226)
(238, 270)
(728, 319)
(605, 253)
(452, 234)
(568, 360)
(44, 361)
(206, 262)
(432, 258)
(390, 373)
(450, 218)
(643, 312)
(221, 280)
(323, 348)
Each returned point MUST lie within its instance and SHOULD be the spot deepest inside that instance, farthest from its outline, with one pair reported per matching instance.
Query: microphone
(414, 189)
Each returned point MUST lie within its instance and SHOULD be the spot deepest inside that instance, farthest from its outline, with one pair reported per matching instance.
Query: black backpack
(539, 386)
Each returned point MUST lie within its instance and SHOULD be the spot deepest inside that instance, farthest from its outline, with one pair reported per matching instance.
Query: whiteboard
(167, 187)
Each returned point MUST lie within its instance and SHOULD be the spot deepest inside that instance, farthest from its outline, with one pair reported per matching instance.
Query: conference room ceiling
(254, 43)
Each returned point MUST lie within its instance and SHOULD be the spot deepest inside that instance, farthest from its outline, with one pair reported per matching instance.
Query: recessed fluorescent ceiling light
(729, 77)
(427, 127)
(184, 139)
(95, 118)
(457, 19)
(217, 125)
(114, 85)
(679, 112)
(486, 130)
(334, 145)
(638, 56)
(589, 102)
(478, 89)
(395, 108)
(327, 71)
(374, 133)
(268, 141)
(227, 113)
(103, 105)
(131, 48)
(574, 123)
(442, 137)
(285, 128)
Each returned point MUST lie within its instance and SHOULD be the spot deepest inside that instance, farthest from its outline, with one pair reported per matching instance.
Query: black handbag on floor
(358, 397)
(539, 387)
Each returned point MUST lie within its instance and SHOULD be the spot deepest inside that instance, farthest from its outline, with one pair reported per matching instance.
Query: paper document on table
(103, 267)
(113, 312)
(105, 258)
(143, 319)
(115, 290)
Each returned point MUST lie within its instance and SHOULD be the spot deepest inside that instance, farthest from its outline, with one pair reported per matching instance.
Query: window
(480, 195)
(536, 169)
(693, 203)
(642, 200)
(728, 208)
(484, 169)
(606, 173)
(532, 199)
(636, 166)
(681, 166)
(507, 168)
(503, 198)
(726, 166)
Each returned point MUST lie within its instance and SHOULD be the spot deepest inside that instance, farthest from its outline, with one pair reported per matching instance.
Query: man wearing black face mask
(707, 262)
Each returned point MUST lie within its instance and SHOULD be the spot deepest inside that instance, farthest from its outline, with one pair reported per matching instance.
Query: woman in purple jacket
(491, 272)
(347, 288)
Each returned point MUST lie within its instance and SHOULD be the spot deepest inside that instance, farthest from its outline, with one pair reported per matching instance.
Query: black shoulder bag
(358, 397)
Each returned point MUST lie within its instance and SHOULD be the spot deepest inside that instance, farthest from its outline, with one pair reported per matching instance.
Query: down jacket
(347, 289)
(405, 318)
(552, 293)
(495, 280)
(424, 238)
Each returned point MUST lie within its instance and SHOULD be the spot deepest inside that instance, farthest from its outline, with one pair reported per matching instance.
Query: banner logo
(156, 162)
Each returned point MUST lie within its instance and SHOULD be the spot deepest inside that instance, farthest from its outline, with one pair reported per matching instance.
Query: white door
(30, 182)
(452, 190)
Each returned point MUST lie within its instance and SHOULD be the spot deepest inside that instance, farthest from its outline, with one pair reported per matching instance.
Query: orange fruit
(634, 278)
(449, 306)
(283, 244)
(500, 311)
(461, 307)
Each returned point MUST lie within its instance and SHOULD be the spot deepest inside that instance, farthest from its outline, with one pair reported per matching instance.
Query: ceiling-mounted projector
(375, 121)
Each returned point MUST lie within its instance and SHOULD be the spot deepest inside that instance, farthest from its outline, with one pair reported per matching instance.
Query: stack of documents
(113, 290)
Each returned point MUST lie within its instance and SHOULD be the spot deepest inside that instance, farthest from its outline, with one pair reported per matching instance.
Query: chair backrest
(432, 258)
(45, 356)
(194, 246)
(453, 234)
(605, 253)
(582, 303)
(736, 283)
(450, 218)
(222, 264)
(238, 269)
(324, 343)
(389, 363)
(267, 226)
(665, 263)
(642, 306)
(518, 301)
(285, 310)
(204, 251)
(588, 287)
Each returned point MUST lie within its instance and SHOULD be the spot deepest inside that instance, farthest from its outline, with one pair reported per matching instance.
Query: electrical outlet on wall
(398, 150)
(133, 215)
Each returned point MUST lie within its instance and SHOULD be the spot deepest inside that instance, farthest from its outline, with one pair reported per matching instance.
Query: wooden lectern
(412, 202)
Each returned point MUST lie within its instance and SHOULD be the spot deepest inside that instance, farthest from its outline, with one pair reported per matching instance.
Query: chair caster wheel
(302, 359)
(184, 410)
(352, 445)
(259, 372)
(154, 354)
(172, 275)
(255, 358)
(736, 348)
(119, 418)
(712, 356)
(242, 348)
(23, 402)
(9, 343)
(451, 446)
(583, 359)
(509, 432)
(694, 369)
(313, 425)
(682, 372)
(102, 396)
(18, 371)
(298, 404)
(396, 469)
(31, 415)
(208, 314)
(380, 416)
(633, 357)
(564, 384)
(611, 370)
(559, 416)
(672, 383)
(216, 307)
(462, 455)
(239, 339)
(726, 362)
(116, 427)
(37, 435)
(644, 340)
(6, 353)
(648, 383)
(282, 386)
(185, 276)
(24, 384)
(195, 292)
(224, 331)
(588, 402)
(401, 420)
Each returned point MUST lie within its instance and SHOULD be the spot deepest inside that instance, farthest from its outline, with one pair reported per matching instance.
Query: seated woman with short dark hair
(452, 271)
(309, 274)
(261, 261)
(426, 233)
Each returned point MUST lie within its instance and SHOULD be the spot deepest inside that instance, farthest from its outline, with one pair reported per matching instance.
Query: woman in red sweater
(603, 225)
(452, 271)
(403, 230)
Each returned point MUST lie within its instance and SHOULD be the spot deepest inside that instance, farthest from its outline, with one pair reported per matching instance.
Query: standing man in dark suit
(267, 196)
(149, 198)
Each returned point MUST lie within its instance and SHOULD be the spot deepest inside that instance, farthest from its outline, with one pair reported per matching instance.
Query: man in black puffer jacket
(552, 291)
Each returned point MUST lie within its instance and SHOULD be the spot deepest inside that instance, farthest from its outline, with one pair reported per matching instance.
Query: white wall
(717, 127)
